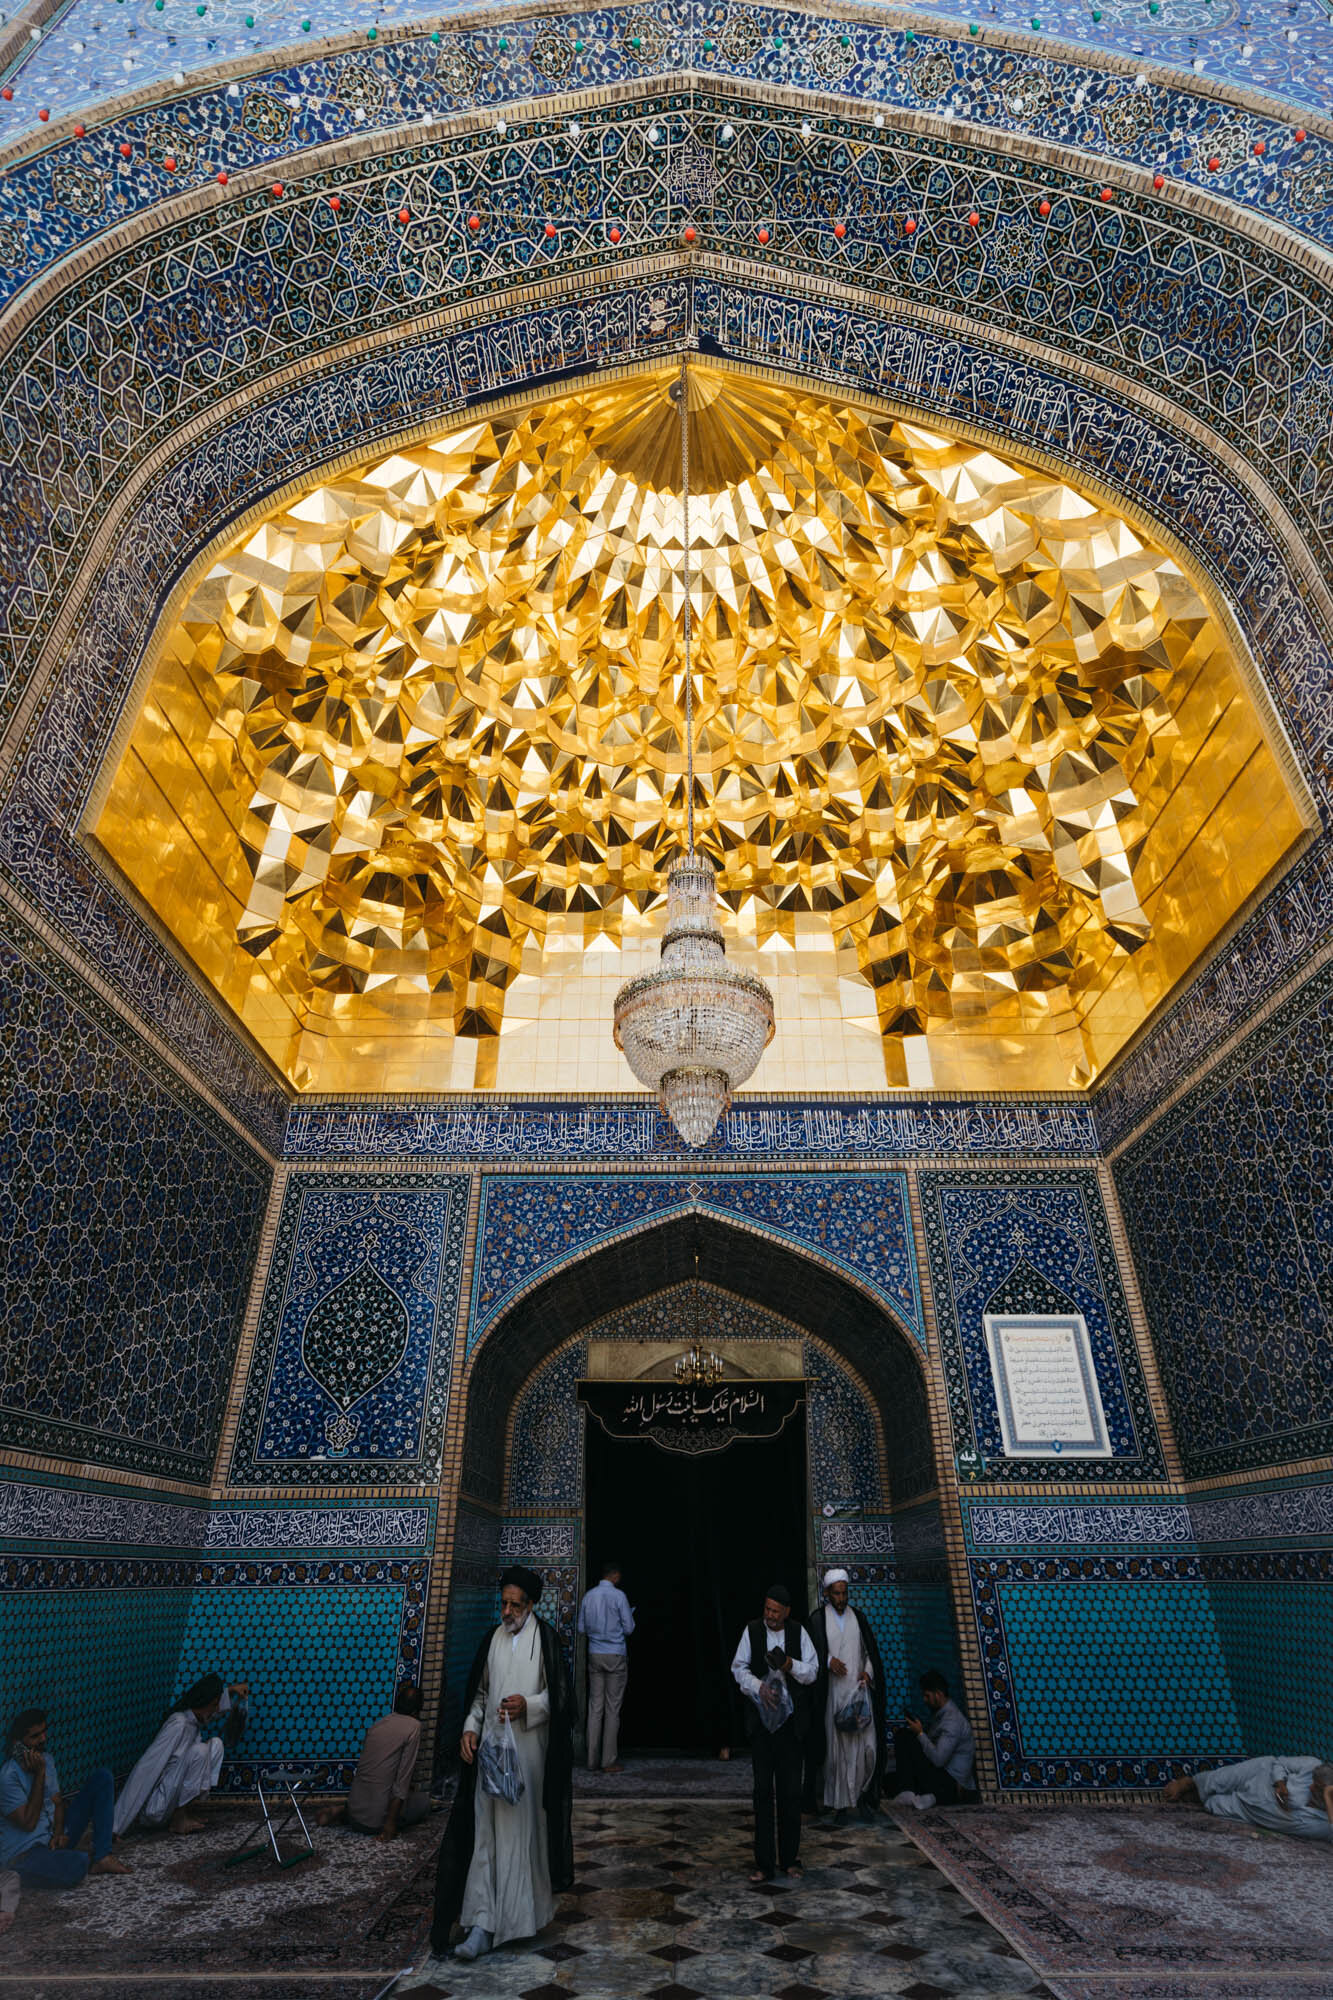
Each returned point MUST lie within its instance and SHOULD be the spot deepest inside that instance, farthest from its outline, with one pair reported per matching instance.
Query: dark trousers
(916, 1773)
(777, 1771)
(44, 1867)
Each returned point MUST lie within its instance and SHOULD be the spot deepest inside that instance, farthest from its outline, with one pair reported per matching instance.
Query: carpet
(339, 1923)
(1143, 1904)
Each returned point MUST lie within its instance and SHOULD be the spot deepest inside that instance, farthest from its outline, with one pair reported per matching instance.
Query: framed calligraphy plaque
(1046, 1386)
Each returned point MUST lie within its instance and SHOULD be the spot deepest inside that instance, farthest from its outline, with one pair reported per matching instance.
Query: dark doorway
(699, 1540)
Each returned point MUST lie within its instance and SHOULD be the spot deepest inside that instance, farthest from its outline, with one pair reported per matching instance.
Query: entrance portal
(699, 1539)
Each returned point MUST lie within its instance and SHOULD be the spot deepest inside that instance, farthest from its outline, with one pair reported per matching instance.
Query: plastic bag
(774, 1700)
(497, 1760)
(856, 1713)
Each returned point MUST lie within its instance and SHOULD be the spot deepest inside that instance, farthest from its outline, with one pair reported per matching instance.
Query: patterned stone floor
(661, 1910)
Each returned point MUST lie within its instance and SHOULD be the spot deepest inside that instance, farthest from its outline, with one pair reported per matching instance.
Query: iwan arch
(209, 354)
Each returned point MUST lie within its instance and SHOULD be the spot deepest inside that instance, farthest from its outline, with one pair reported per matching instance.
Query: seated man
(936, 1755)
(1284, 1794)
(381, 1799)
(181, 1764)
(40, 1829)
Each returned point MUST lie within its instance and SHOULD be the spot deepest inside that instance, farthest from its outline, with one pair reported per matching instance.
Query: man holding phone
(776, 1644)
(40, 1828)
(938, 1755)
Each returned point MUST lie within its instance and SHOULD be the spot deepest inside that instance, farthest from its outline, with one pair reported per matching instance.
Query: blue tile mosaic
(129, 1216)
(1105, 1670)
(97, 1646)
(546, 1450)
(1277, 1638)
(342, 1632)
(1019, 86)
(354, 1346)
(1228, 1203)
(1002, 1241)
(854, 1223)
(1101, 1672)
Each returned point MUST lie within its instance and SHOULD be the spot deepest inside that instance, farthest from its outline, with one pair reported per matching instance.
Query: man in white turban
(845, 1751)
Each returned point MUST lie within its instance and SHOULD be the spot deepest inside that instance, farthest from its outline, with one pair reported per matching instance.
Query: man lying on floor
(1283, 1794)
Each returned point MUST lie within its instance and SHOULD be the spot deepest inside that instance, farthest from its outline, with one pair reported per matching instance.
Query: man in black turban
(775, 1665)
(504, 1858)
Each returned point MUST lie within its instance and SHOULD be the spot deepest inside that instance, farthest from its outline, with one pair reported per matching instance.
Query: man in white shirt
(776, 1643)
(1284, 1794)
(606, 1620)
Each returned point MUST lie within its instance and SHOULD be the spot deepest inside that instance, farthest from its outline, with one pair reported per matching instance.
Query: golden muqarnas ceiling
(960, 728)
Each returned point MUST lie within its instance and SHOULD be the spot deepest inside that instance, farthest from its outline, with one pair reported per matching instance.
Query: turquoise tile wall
(101, 1661)
(1117, 1669)
(1277, 1638)
(322, 1661)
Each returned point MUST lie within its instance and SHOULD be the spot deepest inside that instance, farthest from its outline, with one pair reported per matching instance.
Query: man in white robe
(516, 1855)
(848, 1658)
(181, 1764)
(1282, 1794)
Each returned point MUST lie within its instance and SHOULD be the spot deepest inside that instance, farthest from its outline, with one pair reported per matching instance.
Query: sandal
(758, 1879)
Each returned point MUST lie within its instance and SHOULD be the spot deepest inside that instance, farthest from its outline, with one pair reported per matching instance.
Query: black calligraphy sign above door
(692, 1419)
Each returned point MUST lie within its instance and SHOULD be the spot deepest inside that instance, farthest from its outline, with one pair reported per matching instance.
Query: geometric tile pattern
(531, 1226)
(98, 1653)
(1011, 88)
(128, 1217)
(355, 1340)
(1001, 1241)
(1226, 1200)
(1158, 1688)
(1101, 1672)
(354, 1628)
(1277, 1633)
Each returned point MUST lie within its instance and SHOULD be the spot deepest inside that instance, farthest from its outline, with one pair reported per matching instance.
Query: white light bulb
(728, 133)
(879, 121)
(1197, 65)
(501, 127)
(359, 115)
(126, 63)
(574, 128)
(1247, 48)
(1080, 97)
(34, 34)
(654, 133)
(1291, 34)
(178, 76)
(233, 90)
(1140, 83)
(78, 48)
(806, 128)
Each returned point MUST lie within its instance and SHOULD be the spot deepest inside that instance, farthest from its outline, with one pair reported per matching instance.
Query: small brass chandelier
(694, 1366)
(694, 1029)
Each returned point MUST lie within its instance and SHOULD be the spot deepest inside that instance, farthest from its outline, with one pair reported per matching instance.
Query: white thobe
(508, 1888)
(180, 1764)
(850, 1762)
(1245, 1792)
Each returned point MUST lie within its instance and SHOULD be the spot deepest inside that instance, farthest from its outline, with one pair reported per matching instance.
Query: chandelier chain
(689, 669)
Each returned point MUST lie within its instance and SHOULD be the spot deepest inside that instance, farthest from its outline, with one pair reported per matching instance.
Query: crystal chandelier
(694, 1367)
(694, 1029)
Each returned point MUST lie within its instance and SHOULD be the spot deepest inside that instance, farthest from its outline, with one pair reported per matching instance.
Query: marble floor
(661, 1910)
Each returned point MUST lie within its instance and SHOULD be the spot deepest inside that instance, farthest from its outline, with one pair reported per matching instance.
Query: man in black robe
(834, 1688)
(523, 1650)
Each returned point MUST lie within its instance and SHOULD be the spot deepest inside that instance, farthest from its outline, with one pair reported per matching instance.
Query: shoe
(612, 1770)
(475, 1945)
(923, 1801)
(903, 1799)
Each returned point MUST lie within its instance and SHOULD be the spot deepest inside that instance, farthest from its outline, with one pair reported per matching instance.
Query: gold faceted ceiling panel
(974, 758)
